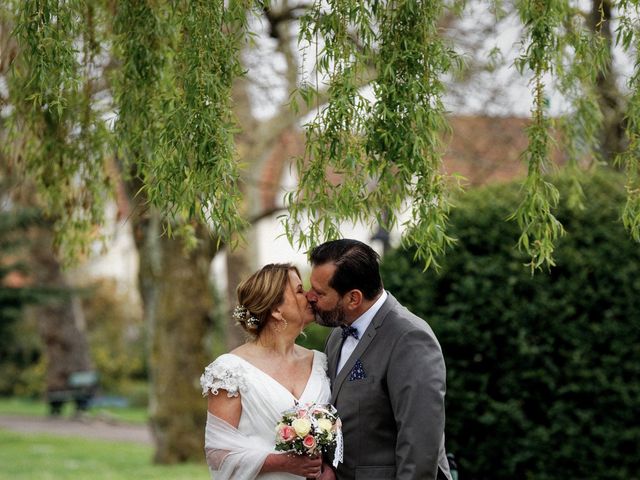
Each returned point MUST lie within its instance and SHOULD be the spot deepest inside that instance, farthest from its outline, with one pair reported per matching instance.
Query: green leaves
(172, 91)
(379, 155)
(57, 132)
(543, 47)
(176, 122)
(629, 36)
(167, 70)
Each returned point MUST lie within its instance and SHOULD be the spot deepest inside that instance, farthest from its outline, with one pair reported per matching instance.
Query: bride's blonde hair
(259, 294)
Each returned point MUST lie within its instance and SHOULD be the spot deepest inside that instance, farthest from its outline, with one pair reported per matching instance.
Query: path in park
(86, 428)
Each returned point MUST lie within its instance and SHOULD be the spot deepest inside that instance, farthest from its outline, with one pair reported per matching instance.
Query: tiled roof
(481, 149)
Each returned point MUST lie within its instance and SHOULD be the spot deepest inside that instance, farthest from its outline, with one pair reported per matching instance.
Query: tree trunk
(177, 304)
(612, 136)
(61, 323)
(240, 265)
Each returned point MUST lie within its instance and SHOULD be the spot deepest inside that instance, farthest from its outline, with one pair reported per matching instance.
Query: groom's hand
(327, 473)
(303, 465)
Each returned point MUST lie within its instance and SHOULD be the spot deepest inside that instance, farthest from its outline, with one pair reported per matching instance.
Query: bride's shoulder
(226, 360)
(225, 373)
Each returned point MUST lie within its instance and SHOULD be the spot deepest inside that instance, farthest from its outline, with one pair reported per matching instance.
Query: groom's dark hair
(357, 266)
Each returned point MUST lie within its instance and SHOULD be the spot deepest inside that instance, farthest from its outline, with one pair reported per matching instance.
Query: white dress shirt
(361, 323)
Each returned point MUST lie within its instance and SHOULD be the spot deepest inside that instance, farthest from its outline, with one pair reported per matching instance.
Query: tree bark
(240, 264)
(60, 320)
(612, 136)
(177, 303)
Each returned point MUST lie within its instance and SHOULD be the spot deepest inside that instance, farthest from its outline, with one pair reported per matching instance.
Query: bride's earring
(282, 325)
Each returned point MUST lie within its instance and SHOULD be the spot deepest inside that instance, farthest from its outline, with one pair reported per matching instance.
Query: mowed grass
(46, 457)
(38, 408)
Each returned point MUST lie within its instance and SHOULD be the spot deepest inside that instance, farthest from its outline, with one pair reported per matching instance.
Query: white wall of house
(115, 258)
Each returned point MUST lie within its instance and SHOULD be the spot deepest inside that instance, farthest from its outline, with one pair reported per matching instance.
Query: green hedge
(543, 371)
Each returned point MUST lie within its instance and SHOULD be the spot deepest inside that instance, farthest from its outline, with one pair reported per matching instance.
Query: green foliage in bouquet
(542, 370)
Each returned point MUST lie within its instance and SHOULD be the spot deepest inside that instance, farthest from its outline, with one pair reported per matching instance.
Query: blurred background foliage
(116, 338)
(543, 374)
(21, 364)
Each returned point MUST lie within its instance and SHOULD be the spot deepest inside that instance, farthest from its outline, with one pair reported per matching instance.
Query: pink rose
(302, 413)
(287, 433)
(309, 442)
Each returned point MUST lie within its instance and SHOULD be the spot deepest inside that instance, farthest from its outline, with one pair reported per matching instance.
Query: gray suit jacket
(393, 418)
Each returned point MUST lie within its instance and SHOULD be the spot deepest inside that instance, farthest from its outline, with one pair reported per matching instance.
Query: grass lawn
(45, 457)
(20, 406)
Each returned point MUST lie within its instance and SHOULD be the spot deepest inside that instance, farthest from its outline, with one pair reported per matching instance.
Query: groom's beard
(331, 318)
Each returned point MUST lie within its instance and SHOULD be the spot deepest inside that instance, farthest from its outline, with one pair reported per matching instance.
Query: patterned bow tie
(348, 330)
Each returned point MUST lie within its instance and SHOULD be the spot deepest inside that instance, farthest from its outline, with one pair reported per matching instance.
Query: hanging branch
(384, 154)
(334, 141)
(193, 174)
(407, 125)
(628, 35)
(143, 34)
(56, 134)
(540, 228)
(582, 56)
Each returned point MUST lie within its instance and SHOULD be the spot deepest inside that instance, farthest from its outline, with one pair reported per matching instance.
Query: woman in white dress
(250, 387)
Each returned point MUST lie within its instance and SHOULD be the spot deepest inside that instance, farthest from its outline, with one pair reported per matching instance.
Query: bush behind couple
(383, 370)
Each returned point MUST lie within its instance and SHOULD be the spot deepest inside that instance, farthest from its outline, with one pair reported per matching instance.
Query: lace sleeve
(223, 375)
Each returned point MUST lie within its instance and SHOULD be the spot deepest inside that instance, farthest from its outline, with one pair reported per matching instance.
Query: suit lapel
(363, 344)
(333, 350)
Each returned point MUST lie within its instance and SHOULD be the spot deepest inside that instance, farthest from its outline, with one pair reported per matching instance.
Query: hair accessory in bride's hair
(242, 314)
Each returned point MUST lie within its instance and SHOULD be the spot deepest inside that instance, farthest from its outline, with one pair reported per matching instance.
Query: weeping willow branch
(334, 138)
(582, 56)
(57, 135)
(628, 36)
(194, 173)
(540, 228)
(142, 37)
(384, 154)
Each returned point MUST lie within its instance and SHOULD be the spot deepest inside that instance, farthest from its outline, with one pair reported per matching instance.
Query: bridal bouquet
(310, 429)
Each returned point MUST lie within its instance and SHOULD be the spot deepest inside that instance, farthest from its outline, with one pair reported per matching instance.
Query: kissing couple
(383, 371)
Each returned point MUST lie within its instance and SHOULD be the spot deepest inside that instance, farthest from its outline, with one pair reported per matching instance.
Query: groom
(386, 369)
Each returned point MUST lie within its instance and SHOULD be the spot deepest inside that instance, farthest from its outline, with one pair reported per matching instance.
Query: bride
(250, 387)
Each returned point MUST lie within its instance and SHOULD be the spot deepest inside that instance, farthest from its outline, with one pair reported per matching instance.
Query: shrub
(543, 371)
(115, 333)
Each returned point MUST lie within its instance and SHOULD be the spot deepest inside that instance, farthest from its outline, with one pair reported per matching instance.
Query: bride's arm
(225, 407)
(229, 409)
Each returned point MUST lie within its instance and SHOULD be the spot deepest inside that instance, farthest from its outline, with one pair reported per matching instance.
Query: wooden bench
(81, 388)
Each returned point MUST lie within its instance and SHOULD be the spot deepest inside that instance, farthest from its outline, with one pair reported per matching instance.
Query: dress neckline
(306, 386)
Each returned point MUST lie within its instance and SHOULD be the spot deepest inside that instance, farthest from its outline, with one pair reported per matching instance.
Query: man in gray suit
(386, 369)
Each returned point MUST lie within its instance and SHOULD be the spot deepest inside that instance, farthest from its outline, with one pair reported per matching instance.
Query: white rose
(302, 426)
(325, 425)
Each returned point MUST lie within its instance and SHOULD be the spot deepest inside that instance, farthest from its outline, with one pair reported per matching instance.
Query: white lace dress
(263, 400)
